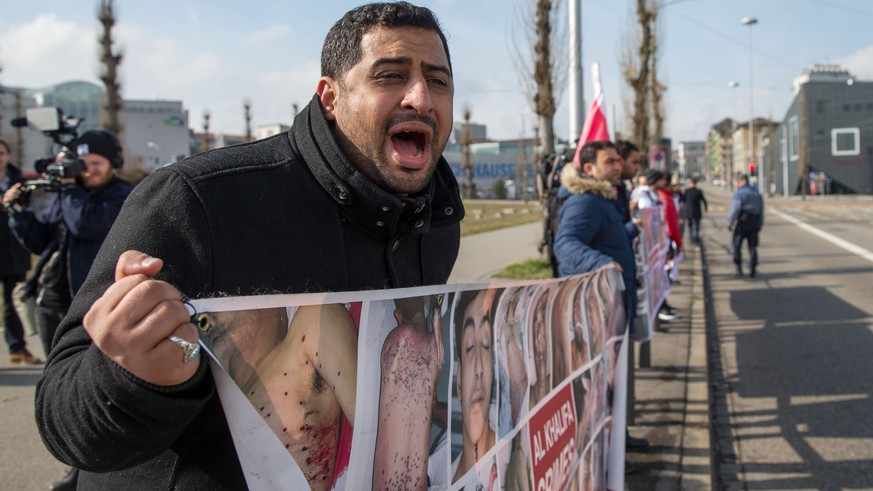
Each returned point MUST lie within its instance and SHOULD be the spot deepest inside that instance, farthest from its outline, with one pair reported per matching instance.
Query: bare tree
(247, 108)
(469, 186)
(521, 166)
(110, 117)
(656, 89)
(541, 64)
(637, 69)
(207, 137)
(19, 131)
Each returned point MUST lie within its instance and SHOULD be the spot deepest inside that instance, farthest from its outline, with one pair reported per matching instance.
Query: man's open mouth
(409, 143)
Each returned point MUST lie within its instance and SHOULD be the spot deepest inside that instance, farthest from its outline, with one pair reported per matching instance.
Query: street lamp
(751, 21)
(157, 148)
(728, 176)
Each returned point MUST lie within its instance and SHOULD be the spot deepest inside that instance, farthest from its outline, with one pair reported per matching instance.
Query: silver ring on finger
(190, 351)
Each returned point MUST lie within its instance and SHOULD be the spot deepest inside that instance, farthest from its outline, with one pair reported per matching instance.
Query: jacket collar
(577, 182)
(371, 207)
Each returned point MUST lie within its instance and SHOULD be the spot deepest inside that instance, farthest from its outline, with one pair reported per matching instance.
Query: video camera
(63, 130)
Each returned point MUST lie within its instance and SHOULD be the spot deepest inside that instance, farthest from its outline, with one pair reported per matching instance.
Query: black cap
(99, 142)
(654, 175)
(743, 177)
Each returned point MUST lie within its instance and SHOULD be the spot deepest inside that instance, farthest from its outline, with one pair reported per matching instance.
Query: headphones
(118, 160)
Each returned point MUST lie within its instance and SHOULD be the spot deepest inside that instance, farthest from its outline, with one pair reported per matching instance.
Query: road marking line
(833, 239)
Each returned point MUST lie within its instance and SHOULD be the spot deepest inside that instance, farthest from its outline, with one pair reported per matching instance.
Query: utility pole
(753, 160)
(577, 95)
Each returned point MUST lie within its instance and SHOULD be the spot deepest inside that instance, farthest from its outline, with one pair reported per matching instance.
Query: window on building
(844, 141)
(793, 138)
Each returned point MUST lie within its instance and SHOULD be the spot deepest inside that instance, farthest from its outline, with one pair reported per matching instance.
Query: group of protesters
(596, 221)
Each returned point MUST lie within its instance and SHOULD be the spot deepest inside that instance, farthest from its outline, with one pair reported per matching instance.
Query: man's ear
(587, 168)
(327, 91)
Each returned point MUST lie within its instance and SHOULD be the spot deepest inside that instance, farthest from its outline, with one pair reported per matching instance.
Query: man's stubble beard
(378, 170)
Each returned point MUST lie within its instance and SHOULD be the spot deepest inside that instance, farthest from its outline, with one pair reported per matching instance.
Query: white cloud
(162, 67)
(859, 63)
(267, 35)
(48, 50)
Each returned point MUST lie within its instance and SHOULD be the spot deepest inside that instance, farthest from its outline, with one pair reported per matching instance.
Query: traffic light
(753, 170)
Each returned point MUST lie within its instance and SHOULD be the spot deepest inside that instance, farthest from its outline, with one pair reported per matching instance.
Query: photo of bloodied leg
(300, 375)
(412, 358)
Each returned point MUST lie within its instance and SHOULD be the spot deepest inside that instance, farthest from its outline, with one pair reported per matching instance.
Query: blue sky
(214, 54)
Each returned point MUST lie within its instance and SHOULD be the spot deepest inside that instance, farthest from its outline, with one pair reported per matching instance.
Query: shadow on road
(819, 344)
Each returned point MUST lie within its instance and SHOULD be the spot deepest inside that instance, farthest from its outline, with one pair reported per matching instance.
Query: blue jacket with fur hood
(591, 231)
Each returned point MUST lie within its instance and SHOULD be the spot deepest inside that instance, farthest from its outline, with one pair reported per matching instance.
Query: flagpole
(595, 128)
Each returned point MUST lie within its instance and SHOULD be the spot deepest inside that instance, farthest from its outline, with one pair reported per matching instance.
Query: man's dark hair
(342, 46)
(589, 151)
(3, 142)
(625, 148)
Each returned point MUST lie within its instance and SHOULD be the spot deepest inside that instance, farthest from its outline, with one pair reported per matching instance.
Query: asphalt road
(796, 346)
(25, 464)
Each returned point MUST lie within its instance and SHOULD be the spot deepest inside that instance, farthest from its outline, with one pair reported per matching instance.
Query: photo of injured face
(560, 322)
(510, 330)
(298, 368)
(539, 345)
(474, 408)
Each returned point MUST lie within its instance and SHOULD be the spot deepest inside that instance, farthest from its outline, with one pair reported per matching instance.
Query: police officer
(745, 219)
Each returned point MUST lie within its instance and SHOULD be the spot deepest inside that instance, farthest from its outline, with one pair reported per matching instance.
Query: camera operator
(69, 231)
(14, 263)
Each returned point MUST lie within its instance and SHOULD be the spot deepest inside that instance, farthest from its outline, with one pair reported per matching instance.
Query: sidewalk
(672, 408)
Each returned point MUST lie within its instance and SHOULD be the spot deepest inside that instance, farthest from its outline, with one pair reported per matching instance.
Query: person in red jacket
(671, 216)
(658, 182)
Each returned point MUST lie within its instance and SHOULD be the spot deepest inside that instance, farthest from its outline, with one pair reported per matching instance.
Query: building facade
(155, 131)
(691, 158)
(719, 150)
(824, 144)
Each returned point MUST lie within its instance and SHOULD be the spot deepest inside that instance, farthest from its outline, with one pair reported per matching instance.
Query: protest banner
(441, 387)
(652, 247)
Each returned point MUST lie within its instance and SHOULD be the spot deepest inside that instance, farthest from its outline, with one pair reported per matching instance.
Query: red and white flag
(595, 121)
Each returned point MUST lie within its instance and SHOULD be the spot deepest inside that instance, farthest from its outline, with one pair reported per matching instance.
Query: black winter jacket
(287, 214)
(14, 258)
(86, 217)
